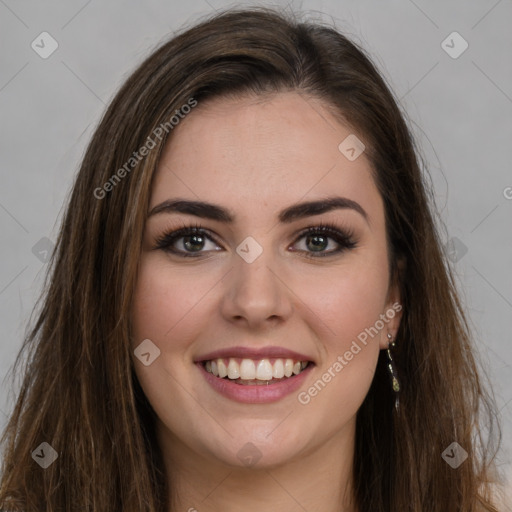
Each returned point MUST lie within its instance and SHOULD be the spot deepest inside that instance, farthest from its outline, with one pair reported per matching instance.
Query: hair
(79, 391)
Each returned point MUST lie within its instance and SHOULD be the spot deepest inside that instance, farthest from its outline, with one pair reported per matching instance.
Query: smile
(255, 375)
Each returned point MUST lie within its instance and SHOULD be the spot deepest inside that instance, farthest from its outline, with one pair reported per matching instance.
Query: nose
(256, 293)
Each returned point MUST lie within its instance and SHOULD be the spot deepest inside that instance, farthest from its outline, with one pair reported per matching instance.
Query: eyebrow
(286, 216)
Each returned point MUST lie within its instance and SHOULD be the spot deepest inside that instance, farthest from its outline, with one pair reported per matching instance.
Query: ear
(393, 309)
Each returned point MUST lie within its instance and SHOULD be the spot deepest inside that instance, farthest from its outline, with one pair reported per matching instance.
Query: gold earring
(392, 371)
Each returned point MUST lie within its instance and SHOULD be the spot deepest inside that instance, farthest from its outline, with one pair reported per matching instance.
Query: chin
(258, 447)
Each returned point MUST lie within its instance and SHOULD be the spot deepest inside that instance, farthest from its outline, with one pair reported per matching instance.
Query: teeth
(288, 368)
(248, 369)
(278, 372)
(264, 370)
(233, 369)
(223, 371)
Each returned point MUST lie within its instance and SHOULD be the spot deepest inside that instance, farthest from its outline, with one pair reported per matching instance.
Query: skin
(257, 156)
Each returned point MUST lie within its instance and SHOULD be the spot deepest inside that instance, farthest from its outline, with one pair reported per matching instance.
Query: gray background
(460, 110)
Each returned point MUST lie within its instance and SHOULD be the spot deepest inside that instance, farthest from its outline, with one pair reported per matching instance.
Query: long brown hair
(80, 394)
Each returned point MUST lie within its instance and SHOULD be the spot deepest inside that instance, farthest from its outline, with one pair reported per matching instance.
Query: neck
(317, 480)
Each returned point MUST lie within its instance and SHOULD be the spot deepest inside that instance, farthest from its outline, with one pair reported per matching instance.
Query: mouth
(255, 376)
(255, 372)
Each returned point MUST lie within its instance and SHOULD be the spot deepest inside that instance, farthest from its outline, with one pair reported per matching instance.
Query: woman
(248, 305)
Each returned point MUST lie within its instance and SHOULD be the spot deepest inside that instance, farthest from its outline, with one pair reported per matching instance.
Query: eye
(192, 241)
(316, 240)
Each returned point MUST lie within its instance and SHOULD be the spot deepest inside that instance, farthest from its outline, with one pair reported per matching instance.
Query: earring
(392, 371)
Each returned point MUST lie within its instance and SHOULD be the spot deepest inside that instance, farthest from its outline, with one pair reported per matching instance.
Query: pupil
(320, 245)
(190, 246)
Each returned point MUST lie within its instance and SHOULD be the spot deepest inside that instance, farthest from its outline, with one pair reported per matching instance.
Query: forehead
(271, 151)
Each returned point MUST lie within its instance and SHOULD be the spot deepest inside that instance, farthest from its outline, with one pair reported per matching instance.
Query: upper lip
(254, 353)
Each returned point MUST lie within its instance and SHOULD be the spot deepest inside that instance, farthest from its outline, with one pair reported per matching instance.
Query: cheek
(348, 299)
(165, 308)
(165, 302)
(350, 305)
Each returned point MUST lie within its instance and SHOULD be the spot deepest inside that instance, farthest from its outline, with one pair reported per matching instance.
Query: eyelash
(344, 238)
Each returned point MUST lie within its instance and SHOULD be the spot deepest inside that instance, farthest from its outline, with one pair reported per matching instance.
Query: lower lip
(255, 394)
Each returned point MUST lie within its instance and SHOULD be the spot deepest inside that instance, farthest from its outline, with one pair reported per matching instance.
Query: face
(249, 288)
